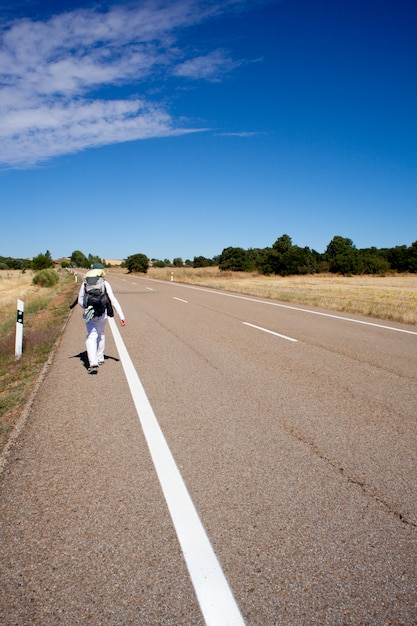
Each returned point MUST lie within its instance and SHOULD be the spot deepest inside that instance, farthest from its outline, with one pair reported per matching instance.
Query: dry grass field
(46, 310)
(14, 284)
(391, 298)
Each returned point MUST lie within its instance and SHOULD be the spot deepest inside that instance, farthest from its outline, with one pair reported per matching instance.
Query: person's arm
(71, 306)
(81, 296)
(115, 303)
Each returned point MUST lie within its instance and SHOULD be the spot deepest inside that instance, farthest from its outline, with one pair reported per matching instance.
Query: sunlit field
(389, 297)
(14, 284)
(46, 310)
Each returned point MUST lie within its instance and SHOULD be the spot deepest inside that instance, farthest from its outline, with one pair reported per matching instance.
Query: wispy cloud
(51, 73)
(211, 66)
(243, 133)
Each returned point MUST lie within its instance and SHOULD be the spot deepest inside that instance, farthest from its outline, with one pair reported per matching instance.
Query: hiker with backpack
(97, 299)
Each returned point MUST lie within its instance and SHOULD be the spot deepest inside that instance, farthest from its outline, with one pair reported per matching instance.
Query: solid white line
(294, 308)
(215, 598)
(271, 332)
(181, 300)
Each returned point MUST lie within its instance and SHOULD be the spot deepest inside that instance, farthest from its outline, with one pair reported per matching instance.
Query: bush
(234, 259)
(46, 278)
(201, 261)
(137, 263)
(78, 259)
(42, 261)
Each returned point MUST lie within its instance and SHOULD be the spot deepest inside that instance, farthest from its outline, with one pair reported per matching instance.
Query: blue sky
(179, 128)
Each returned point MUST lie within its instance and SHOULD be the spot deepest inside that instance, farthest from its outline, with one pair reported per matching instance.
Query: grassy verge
(46, 311)
(391, 298)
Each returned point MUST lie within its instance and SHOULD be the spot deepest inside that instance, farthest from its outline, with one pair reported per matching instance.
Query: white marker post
(19, 329)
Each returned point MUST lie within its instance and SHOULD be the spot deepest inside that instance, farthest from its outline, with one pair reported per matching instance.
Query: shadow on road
(84, 359)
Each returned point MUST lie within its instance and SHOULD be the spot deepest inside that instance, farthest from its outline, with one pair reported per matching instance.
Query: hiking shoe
(93, 369)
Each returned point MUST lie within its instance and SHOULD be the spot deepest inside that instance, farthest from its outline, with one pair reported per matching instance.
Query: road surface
(236, 461)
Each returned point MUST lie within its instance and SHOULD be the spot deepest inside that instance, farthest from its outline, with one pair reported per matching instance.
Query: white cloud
(212, 66)
(243, 133)
(31, 135)
(50, 72)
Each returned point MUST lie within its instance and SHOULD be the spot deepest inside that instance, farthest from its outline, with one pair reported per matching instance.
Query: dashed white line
(271, 332)
(295, 308)
(214, 595)
(181, 300)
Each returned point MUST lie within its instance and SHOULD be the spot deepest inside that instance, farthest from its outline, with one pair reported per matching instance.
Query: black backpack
(95, 295)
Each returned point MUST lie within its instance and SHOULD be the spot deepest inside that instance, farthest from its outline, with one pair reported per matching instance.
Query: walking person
(94, 318)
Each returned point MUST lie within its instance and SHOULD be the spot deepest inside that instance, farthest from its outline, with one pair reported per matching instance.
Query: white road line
(181, 300)
(271, 332)
(150, 289)
(215, 598)
(294, 308)
(134, 283)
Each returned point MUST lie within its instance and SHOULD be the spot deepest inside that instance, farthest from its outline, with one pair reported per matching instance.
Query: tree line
(40, 262)
(282, 258)
(43, 261)
(340, 257)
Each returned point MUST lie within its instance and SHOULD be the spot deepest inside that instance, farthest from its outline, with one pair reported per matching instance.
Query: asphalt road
(294, 433)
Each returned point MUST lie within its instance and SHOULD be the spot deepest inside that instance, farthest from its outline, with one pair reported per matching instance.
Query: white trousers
(96, 340)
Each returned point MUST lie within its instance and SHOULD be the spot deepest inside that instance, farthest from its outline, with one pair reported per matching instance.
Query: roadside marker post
(19, 329)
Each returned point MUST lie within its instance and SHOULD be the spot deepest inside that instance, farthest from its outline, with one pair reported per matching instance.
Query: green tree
(137, 263)
(412, 257)
(373, 261)
(287, 259)
(398, 258)
(42, 261)
(16, 264)
(263, 261)
(279, 258)
(178, 262)
(233, 259)
(79, 259)
(283, 244)
(201, 261)
(93, 258)
(343, 257)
